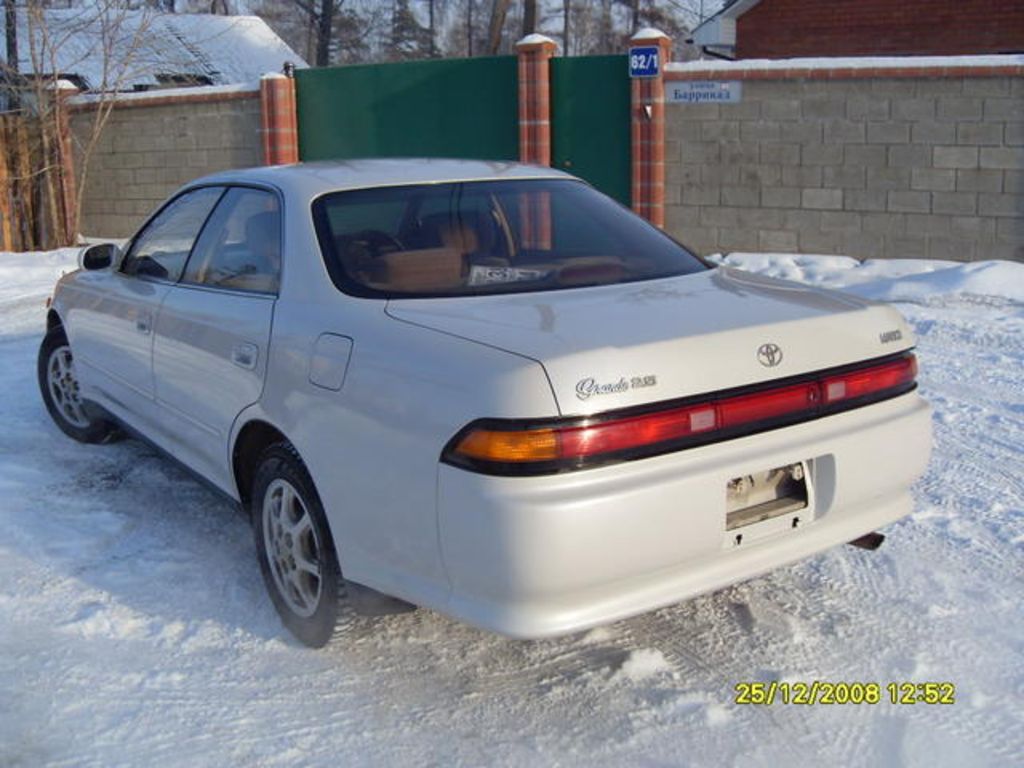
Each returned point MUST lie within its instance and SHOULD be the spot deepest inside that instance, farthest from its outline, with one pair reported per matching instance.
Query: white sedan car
(484, 388)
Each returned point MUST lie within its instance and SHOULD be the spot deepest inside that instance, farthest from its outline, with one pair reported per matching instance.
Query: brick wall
(151, 146)
(791, 28)
(882, 166)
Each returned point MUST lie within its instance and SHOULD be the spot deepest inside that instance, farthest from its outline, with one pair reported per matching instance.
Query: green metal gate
(590, 126)
(463, 108)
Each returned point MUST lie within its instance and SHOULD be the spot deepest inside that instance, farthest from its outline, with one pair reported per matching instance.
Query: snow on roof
(147, 50)
(252, 87)
(720, 27)
(851, 62)
(736, 8)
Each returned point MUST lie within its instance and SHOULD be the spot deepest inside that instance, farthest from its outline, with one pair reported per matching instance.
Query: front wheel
(294, 546)
(58, 384)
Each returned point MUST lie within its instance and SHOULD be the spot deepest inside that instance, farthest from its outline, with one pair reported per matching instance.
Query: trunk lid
(615, 346)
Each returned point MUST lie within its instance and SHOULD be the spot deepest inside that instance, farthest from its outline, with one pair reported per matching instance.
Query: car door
(112, 328)
(213, 330)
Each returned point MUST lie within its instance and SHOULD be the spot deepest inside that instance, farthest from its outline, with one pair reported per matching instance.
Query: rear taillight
(868, 381)
(514, 448)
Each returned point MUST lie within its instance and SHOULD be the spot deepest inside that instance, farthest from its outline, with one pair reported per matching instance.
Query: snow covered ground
(134, 628)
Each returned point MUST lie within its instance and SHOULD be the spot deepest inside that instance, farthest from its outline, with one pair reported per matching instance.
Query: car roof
(316, 178)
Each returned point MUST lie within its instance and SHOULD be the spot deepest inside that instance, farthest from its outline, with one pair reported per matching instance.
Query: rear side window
(240, 247)
(162, 248)
(472, 238)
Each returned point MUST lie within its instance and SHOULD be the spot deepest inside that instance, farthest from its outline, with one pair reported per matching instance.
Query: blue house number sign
(644, 61)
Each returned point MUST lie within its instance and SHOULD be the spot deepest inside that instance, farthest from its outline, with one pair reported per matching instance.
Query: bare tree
(499, 10)
(463, 31)
(605, 26)
(321, 15)
(566, 9)
(117, 36)
(432, 27)
(11, 34)
(529, 17)
(11, 72)
(222, 7)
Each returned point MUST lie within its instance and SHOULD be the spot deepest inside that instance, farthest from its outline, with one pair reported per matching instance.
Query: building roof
(719, 30)
(147, 50)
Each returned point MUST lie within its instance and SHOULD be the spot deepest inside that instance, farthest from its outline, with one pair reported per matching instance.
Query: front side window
(240, 248)
(162, 248)
(472, 238)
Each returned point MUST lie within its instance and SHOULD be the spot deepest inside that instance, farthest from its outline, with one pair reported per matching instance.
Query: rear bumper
(539, 556)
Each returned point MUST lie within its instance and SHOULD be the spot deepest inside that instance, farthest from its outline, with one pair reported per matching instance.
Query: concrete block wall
(875, 165)
(151, 146)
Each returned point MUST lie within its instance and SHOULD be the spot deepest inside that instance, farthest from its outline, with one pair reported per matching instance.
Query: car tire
(294, 546)
(58, 384)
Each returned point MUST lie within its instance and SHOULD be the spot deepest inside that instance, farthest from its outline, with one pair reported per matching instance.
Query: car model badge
(769, 355)
(588, 387)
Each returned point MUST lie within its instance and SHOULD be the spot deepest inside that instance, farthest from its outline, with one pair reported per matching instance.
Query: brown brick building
(776, 29)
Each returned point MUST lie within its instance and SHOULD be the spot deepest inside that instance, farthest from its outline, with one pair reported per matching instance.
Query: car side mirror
(99, 256)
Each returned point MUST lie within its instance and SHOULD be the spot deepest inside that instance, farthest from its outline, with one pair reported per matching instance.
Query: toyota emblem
(769, 355)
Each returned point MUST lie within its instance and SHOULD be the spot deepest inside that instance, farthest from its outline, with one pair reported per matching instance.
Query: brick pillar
(280, 127)
(66, 163)
(647, 108)
(535, 52)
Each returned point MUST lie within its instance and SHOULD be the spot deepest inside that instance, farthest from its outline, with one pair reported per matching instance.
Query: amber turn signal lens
(523, 445)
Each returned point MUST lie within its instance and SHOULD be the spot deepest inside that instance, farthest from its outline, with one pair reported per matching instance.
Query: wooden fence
(34, 208)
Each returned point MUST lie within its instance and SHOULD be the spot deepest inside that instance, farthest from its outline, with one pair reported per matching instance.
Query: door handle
(144, 323)
(245, 355)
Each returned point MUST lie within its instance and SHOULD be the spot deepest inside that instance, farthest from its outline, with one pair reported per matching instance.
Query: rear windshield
(485, 237)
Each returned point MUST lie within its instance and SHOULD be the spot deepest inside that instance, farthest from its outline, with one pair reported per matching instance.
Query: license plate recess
(761, 496)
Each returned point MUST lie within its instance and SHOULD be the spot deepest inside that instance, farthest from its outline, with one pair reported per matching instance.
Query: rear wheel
(58, 384)
(294, 546)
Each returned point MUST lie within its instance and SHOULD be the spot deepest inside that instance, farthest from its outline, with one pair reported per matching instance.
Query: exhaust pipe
(869, 541)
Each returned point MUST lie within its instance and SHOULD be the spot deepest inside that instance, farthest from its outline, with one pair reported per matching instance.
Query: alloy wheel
(293, 548)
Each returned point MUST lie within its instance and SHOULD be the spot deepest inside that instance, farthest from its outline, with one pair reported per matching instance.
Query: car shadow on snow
(143, 535)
